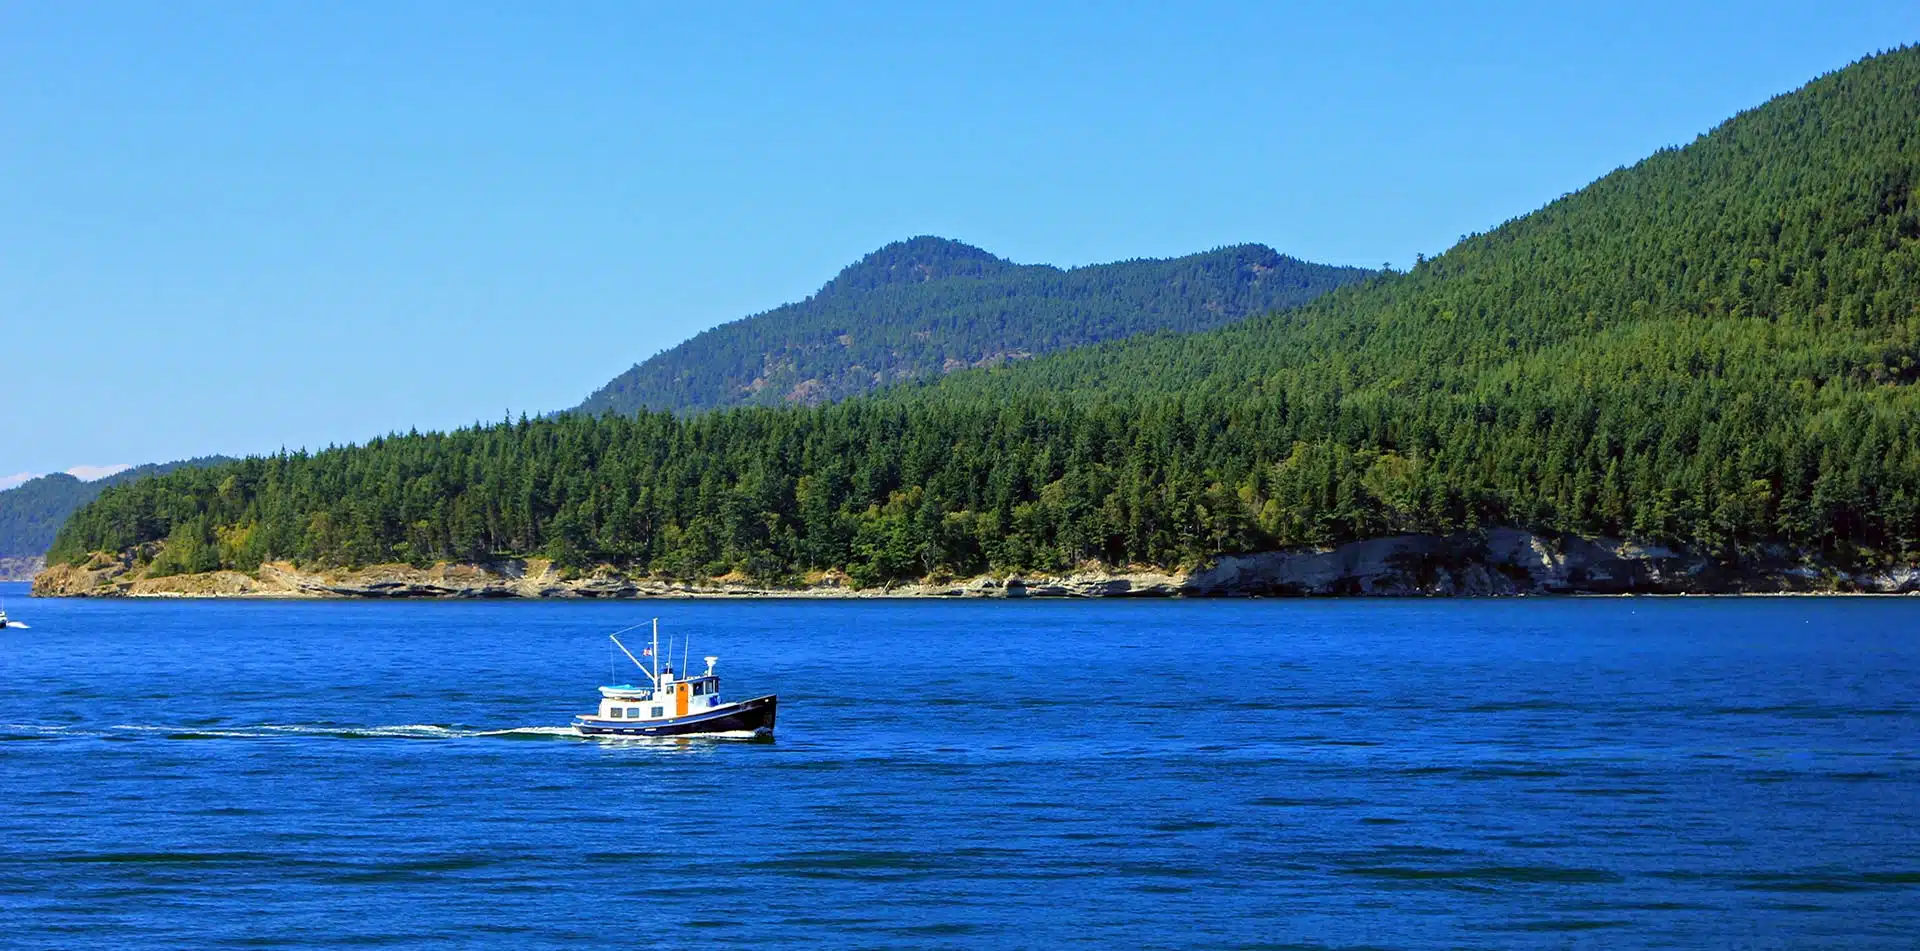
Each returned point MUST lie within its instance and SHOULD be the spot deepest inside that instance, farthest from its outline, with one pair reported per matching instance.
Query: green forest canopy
(919, 308)
(1715, 347)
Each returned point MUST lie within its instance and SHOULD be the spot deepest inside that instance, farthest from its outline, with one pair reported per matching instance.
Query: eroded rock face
(100, 576)
(1891, 581)
(1499, 562)
(1507, 561)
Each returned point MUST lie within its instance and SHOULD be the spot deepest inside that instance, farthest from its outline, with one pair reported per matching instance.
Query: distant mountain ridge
(929, 305)
(32, 512)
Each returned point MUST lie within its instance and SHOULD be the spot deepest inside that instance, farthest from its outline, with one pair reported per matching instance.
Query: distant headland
(21, 569)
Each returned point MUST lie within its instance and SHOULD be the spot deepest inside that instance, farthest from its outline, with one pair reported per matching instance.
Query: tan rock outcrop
(1494, 563)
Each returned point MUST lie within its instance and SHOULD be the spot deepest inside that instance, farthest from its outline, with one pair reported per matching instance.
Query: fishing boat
(673, 704)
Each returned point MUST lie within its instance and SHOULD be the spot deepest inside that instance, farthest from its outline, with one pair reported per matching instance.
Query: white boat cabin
(675, 697)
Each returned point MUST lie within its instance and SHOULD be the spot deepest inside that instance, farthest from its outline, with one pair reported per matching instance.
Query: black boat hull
(747, 718)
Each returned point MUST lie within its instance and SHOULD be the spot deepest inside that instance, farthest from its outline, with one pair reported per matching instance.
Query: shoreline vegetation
(32, 512)
(1498, 563)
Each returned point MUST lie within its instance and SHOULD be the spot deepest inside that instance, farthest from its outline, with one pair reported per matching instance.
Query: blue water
(1236, 774)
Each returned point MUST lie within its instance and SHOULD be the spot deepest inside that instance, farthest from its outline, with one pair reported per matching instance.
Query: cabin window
(670, 689)
(657, 711)
(633, 713)
(699, 689)
(614, 713)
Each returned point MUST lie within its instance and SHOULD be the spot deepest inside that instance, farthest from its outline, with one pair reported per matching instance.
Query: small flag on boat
(646, 652)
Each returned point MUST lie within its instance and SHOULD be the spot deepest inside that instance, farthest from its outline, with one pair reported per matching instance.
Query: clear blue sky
(231, 227)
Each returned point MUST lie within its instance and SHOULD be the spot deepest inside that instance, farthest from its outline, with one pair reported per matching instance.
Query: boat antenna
(686, 647)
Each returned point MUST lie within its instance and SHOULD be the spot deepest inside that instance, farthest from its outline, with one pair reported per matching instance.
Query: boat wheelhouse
(671, 704)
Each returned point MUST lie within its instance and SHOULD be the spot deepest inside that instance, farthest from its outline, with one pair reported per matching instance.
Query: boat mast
(654, 674)
(615, 638)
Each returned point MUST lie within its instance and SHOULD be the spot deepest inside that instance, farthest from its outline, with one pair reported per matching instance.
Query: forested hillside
(1716, 347)
(32, 512)
(920, 308)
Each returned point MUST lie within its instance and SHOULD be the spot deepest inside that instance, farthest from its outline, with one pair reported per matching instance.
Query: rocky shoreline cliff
(1501, 562)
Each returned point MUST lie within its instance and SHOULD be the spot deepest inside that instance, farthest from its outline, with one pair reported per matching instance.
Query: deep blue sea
(1551, 773)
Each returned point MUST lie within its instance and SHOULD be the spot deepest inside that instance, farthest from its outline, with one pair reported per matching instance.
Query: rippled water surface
(1407, 774)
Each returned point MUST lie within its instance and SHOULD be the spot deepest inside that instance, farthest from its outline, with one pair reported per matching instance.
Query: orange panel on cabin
(681, 693)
